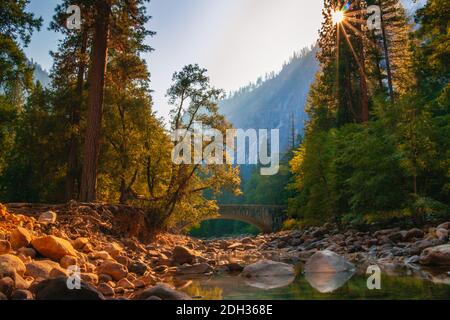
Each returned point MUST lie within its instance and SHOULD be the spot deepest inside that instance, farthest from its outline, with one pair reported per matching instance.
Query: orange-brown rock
(68, 261)
(10, 264)
(105, 289)
(114, 249)
(53, 247)
(41, 269)
(20, 238)
(79, 243)
(126, 284)
(89, 278)
(5, 246)
(116, 270)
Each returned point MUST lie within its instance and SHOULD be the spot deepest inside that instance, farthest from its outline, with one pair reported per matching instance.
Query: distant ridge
(411, 7)
(277, 102)
(41, 75)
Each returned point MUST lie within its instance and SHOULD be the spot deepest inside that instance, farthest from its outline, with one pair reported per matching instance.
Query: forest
(377, 141)
(109, 193)
(375, 145)
(93, 135)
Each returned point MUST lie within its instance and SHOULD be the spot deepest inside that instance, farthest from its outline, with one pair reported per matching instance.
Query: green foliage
(184, 201)
(34, 163)
(267, 190)
(397, 164)
(314, 173)
(41, 139)
(367, 169)
(349, 168)
(222, 228)
(16, 27)
(433, 52)
(8, 114)
(291, 224)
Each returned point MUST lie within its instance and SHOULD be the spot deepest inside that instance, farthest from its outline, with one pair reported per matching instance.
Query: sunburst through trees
(351, 166)
(344, 38)
(356, 43)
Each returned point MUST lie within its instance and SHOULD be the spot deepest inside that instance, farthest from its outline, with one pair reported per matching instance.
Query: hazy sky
(236, 40)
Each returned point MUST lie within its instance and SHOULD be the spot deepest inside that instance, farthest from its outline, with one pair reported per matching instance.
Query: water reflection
(328, 282)
(316, 287)
(267, 283)
(197, 291)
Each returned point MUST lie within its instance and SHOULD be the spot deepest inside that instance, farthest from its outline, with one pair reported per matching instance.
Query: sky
(236, 40)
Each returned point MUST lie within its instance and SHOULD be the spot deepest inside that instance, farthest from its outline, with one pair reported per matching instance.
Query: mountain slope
(411, 6)
(41, 75)
(275, 103)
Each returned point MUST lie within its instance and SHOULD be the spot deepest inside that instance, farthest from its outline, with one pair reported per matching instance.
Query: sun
(338, 16)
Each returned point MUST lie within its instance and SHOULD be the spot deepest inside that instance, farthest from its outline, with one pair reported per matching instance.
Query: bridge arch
(265, 217)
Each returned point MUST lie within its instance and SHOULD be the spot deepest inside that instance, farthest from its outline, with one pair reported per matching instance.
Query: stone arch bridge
(267, 218)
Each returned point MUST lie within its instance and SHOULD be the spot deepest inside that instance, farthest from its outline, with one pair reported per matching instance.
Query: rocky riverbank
(42, 248)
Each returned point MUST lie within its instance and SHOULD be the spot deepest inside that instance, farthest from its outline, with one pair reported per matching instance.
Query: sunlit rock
(196, 269)
(328, 262)
(182, 255)
(268, 268)
(48, 217)
(10, 264)
(53, 247)
(20, 237)
(437, 256)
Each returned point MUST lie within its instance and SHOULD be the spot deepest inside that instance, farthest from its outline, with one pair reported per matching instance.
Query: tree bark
(95, 103)
(386, 53)
(72, 164)
(364, 95)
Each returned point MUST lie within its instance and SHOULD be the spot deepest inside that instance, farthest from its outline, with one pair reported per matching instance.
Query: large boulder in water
(268, 268)
(327, 261)
(436, 256)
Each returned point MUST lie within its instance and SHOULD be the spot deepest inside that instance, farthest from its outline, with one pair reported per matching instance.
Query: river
(393, 287)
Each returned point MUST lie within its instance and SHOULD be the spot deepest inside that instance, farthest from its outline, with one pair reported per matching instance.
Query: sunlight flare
(338, 17)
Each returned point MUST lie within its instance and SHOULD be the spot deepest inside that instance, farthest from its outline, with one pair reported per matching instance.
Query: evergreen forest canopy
(92, 135)
(376, 143)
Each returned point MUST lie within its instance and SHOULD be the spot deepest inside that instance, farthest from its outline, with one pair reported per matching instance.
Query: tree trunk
(123, 192)
(364, 113)
(386, 53)
(364, 96)
(95, 103)
(72, 164)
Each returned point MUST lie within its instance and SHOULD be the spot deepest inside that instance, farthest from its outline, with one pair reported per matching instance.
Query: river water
(422, 285)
